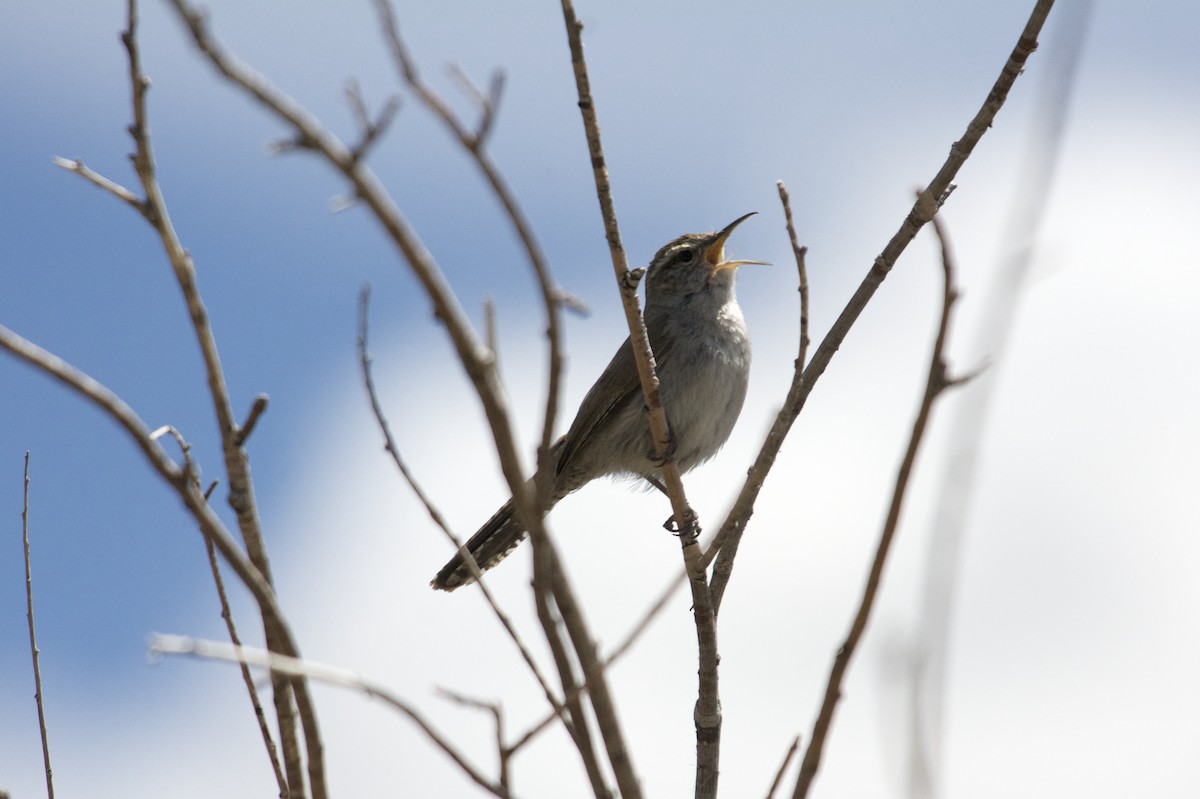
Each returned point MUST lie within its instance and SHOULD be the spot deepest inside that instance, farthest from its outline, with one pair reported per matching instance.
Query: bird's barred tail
(498, 537)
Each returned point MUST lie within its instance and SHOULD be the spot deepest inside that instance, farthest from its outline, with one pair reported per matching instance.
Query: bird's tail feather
(490, 545)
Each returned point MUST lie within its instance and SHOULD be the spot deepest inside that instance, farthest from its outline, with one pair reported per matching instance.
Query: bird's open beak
(715, 254)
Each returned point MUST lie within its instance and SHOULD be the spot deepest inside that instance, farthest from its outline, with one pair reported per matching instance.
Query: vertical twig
(259, 716)
(33, 647)
(779, 429)
(936, 382)
(707, 715)
(241, 487)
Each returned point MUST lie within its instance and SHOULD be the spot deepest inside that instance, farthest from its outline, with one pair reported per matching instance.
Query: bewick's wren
(702, 350)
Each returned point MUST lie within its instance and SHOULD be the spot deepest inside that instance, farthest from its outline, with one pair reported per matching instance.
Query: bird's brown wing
(617, 387)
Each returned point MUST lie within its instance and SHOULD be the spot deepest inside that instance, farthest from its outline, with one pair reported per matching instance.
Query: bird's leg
(654, 481)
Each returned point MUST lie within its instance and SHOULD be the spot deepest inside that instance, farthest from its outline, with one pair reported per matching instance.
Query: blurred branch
(332, 675)
(257, 408)
(503, 753)
(783, 767)
(545, 565)
(33, 647)
(926, 205)
(968, 420)
(936, 383)
(369, 130)
(115, 189)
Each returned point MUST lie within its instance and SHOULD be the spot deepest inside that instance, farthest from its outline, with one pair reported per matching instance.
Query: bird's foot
(690, 527)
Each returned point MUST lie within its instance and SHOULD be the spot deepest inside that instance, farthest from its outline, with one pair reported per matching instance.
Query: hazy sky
(1075, 644)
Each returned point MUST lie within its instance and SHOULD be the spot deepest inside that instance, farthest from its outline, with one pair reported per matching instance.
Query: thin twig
(489, 104)
(426, 501)
(115, 408)
(332, 675)
(191, 474)
(936, 382)
(33, 647)
(779, 428)
(474, 144)
(657, 418)
(503, 753)
(290, 697)
(256, 411)
(787, 761)
(260, 716)
(370, 130)
(115, 189)
(922, 211)
(708, 704)
(544, 552)
(618, 652)
(476, 360)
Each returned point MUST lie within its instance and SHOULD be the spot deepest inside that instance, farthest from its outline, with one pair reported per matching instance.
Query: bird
(702, 350)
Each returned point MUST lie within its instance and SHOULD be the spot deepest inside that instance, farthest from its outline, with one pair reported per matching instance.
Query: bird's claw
(691, 526)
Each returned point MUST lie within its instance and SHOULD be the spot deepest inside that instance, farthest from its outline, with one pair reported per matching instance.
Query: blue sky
(1075, 652)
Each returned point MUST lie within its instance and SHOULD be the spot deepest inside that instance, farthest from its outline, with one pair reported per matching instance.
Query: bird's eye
(686, 256)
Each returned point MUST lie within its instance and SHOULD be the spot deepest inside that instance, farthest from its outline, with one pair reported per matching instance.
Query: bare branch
(935, 383)
(489, 104)
(33, 647)
(473, 143)
(332, 675)
(430, 508)
(115, 189)
(247, 427)
(476, 360)
(370, 130)
(922, 211)
(630, 639)
(503, 753)
(726, 549)
(137, 430)
(241, 487)
(783, 767)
